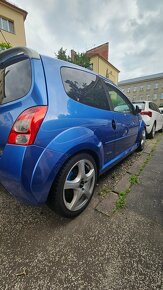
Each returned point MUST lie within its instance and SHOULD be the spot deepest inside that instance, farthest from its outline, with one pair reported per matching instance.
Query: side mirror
(137, 110)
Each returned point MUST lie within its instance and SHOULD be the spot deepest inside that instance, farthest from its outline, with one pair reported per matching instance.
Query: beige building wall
(18, 37)
(149, 90)
(95, 64)
(104, 68)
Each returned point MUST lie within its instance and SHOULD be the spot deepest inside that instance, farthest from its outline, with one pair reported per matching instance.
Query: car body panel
(127, 126)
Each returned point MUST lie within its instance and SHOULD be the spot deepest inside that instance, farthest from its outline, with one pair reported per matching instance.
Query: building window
(155, 97)
(161, 96)
(6, 25)
(128, 90)
(90, 66)
(135, 88)
(141, 88)
(148, 97)
(156, 86)
(148, 87)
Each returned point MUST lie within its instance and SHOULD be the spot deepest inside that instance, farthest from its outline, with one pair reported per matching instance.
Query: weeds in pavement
(121, 199)
(134, 179)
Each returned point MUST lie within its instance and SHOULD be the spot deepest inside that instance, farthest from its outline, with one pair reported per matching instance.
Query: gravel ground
(41, 251)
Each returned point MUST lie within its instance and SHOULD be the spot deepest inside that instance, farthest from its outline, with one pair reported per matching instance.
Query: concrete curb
(108, 204)
(123, 184)
(136, 167)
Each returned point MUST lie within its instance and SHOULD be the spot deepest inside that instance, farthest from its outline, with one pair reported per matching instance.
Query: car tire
(161, 130)
(142, 140)
(153, 132)
(73, 189)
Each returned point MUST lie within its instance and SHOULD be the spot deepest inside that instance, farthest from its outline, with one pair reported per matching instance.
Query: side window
(153, 107)
(156, 108)
(84, 87)
(119, 102)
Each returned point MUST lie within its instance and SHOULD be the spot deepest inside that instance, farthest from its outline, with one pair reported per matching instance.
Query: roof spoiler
(12, 53)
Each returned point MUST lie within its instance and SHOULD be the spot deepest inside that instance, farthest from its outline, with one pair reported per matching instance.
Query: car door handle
(114, 124)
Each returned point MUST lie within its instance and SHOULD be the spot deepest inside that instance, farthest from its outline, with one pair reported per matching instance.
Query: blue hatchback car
(60, 127)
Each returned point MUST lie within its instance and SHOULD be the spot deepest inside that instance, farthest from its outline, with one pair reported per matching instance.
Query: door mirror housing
(137, 110)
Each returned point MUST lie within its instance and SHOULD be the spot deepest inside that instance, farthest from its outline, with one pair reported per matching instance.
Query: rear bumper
(28, 172)
(148, 122)
(10, 169)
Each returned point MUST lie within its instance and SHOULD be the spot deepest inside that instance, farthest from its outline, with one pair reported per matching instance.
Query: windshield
(15, 81)
(140, 105)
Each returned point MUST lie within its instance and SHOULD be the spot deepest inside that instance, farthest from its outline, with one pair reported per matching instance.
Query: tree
(62, 54)
(82, 59)
(4, 45)
(79, 58)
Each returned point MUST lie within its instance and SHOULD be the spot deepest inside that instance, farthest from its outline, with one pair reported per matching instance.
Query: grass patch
(121, 200)
(134, 179)
(113, 176)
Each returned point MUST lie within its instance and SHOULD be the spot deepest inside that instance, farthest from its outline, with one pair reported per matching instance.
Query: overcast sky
(133, 28)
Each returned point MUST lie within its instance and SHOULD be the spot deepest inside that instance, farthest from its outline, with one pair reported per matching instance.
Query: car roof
(141, 101)
(62, 63)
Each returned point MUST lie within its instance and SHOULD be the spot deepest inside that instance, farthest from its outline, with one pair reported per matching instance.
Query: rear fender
(59, 150)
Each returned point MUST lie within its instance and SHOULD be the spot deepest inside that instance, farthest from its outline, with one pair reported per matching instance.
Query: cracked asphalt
(41, 251)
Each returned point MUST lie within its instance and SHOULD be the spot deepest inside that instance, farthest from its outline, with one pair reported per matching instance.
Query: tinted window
(15, 81)
(84, 87)
(156, 108)
(150, 106)
(153, 107)
(119, 102)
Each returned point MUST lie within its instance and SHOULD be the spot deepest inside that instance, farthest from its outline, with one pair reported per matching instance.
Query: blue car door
(125, 122)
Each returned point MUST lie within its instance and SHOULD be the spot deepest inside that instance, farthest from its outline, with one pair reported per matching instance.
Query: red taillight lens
(147, 113)
(26, 126)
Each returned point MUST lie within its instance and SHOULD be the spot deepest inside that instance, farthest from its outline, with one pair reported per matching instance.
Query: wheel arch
(52, 161)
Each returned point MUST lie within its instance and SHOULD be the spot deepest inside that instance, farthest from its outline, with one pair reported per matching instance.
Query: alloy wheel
(79, 185)
(143, 138)
(153, 131)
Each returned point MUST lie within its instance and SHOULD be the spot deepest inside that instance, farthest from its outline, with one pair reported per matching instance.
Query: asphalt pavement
(39, 250)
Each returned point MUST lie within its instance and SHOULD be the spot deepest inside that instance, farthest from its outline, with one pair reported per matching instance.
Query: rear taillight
(147, 113)
(26, 126)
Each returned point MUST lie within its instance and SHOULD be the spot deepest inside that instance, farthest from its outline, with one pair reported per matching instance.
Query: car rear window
(140, 105)
(15, 81)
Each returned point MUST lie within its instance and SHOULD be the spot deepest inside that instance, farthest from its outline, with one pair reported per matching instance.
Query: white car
(152, 117)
